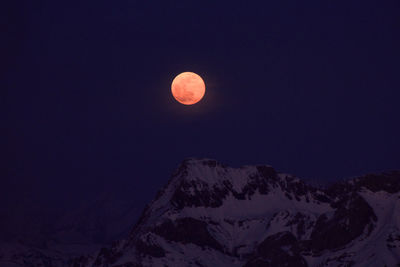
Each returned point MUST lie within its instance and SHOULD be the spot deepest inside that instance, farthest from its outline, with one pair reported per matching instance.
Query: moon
(188, 88)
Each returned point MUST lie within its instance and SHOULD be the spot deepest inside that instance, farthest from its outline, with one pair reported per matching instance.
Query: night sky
(308, 87)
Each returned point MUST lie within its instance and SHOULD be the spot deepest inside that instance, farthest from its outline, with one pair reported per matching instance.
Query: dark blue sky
(309, 87)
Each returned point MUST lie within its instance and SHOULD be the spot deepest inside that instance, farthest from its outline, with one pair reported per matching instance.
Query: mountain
(210, 214)
(82, 230)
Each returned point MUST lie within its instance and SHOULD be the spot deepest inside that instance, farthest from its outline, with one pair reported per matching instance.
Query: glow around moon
(188, 88)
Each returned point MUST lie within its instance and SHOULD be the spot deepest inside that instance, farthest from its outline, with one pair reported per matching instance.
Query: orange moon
(188, 88)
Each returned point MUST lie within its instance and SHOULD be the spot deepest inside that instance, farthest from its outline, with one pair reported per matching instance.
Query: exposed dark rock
(150, 249)
(187, 230)
(389, 182)
(107, 255)
(300, 221)
(278, 250)
(351, 217)
(198, 194)
(267, 172)
(210, 163)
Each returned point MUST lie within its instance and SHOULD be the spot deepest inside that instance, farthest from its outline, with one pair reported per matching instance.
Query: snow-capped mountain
(213, 215)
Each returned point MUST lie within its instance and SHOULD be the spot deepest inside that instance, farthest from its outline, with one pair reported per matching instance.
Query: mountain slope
(213, 215)
(84, 229)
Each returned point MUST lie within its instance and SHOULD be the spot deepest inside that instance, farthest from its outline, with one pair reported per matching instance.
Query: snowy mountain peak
(210, 214)
(206, 182)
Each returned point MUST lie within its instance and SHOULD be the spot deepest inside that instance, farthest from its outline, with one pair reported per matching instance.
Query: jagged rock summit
(210, 214)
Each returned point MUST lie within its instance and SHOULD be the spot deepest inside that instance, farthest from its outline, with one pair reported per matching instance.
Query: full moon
(188, 88)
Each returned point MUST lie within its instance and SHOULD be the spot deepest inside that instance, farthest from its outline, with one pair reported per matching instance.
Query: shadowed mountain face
(214, 215)
(84, 229)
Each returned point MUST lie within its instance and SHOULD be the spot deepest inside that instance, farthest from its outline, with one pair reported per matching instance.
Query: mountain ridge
(209, 214)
